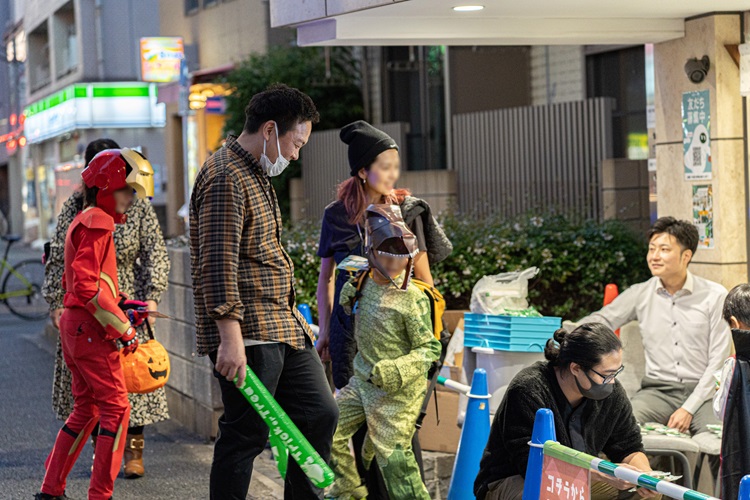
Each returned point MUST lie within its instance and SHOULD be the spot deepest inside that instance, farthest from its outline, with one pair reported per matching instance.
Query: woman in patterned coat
(142, 272)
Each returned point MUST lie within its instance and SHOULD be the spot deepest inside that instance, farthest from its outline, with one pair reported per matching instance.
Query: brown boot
(134, 456)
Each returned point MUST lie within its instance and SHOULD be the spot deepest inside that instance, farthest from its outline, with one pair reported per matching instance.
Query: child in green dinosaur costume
(396, 346)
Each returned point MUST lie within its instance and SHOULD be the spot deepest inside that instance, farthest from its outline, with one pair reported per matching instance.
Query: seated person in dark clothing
(591, 410)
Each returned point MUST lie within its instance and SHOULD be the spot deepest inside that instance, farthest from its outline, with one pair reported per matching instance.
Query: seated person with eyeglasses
(591, 411)
(685, 337)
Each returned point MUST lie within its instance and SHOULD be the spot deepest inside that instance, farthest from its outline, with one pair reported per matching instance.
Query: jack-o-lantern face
(158, 367)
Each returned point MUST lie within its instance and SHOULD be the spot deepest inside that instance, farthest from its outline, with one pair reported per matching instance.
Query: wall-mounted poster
(696, 143)
(703, 214)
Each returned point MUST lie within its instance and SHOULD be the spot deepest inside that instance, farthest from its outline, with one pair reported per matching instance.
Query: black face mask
(741, 340)
(597, 392)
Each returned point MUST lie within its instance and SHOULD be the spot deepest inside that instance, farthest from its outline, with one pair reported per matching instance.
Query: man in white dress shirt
(685, 338)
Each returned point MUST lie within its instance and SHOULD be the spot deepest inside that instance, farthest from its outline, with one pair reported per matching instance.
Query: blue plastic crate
(509, 333)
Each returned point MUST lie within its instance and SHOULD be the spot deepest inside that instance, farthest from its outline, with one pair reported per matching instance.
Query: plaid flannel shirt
(239, 267)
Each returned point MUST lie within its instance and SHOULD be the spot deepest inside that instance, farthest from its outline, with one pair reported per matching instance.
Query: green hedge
(576, 259)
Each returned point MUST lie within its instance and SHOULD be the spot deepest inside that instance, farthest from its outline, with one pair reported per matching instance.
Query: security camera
(697, 69)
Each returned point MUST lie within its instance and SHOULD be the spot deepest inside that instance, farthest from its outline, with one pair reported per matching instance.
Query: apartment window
(20, 46)
(192, 6)
(414, 92)
(39, 58)
(621, 74)
(66, 40)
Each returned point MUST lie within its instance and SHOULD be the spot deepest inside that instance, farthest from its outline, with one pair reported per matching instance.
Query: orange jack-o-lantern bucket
(147, 369)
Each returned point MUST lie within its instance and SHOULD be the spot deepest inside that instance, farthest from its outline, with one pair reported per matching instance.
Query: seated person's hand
(642, 492)
(611, 480)
(680, 420)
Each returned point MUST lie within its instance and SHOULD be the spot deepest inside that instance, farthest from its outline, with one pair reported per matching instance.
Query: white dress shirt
(685, 337)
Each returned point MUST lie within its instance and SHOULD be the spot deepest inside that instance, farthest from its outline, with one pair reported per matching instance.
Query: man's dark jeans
(297, 380)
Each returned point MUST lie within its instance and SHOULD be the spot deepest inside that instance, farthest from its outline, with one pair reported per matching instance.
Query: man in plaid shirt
(243, 282)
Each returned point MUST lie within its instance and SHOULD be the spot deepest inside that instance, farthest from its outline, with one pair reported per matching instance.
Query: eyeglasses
(609, 378)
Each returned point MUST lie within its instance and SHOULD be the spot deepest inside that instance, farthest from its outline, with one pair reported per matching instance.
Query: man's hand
(231, 359)
(322, 345)
(55, 315)
(611, 480)
(151, 307)
(642, 492)
(680, 420)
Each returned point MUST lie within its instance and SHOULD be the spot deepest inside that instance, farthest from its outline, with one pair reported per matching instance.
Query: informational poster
(703, 215)
(563, 481)
(696, 142)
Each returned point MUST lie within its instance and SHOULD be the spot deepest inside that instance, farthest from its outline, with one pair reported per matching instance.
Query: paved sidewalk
(177, 463)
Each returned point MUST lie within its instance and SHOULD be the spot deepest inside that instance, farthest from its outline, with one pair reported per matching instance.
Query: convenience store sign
(94, 105)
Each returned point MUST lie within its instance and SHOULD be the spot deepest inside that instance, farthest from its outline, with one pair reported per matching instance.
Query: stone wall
(709, 35)
(192, 391)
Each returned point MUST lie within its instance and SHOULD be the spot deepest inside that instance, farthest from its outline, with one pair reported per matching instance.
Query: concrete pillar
(16, 180)
(726, 263)
(174, 172)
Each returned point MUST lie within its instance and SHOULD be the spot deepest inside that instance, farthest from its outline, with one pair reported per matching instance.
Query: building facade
(81, 81)
(217, 35)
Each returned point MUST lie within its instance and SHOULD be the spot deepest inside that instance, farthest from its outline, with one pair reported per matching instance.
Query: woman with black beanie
(374, 167)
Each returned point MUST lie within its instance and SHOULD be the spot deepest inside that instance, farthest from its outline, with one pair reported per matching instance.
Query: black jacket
(608, 425)
(735, 445)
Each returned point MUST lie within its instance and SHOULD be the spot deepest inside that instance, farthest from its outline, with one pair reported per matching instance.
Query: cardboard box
(451, 318)
(445, 435)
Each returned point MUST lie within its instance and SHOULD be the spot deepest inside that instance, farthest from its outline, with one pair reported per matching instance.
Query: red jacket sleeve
(91, 244)
(86, 265)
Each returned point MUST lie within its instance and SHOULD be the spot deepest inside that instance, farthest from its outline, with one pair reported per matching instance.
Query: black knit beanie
(365, 144)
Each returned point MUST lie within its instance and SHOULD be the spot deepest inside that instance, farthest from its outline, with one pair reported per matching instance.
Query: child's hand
(129, 341)
(386, 376)
(136, 316)
(136, 310)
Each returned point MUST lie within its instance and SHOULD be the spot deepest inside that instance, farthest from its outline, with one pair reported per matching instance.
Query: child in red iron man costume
(96, 315)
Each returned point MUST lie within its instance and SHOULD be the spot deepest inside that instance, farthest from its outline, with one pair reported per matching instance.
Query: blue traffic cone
(544, 430)
(306, 313)
(744, 488)
(474, 436)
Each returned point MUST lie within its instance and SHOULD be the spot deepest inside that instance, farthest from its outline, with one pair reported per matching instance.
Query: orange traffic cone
(610, 294)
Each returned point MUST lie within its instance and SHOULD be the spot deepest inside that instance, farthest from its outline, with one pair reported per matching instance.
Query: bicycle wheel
(22, 289)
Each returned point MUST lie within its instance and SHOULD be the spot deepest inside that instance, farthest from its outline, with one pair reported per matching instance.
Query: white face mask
(273, 169)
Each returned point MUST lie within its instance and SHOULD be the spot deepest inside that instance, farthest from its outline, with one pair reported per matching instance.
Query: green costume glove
(386, 376)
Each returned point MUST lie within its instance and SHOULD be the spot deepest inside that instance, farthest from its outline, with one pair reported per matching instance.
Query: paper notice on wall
(703, 215)
(696, 142)
(745, 69)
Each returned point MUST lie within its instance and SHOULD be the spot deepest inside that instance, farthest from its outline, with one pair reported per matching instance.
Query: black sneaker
(45, 496)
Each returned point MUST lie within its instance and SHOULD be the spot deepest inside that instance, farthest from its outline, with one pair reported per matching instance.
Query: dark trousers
(298, 382)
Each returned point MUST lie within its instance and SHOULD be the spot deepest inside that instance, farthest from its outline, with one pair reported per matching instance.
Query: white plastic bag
(495, 294)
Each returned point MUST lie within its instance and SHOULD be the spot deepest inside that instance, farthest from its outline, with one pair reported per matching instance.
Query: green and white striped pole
(584, 461)
(453, 385)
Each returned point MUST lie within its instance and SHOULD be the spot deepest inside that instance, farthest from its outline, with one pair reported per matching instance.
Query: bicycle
(22, 286)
